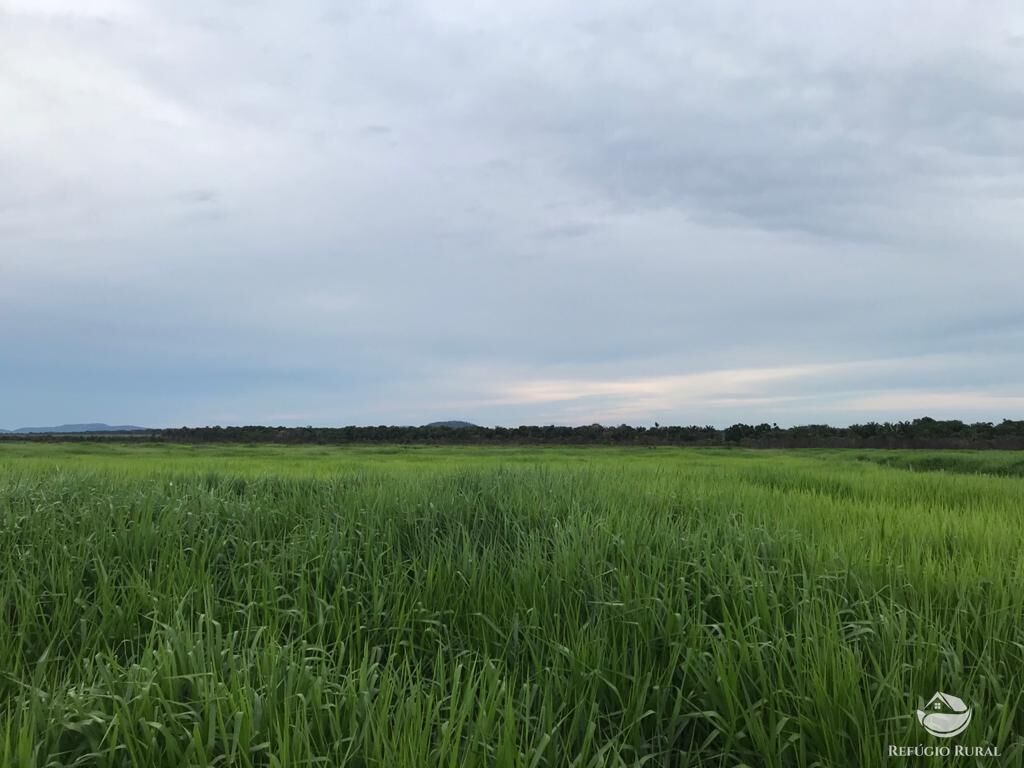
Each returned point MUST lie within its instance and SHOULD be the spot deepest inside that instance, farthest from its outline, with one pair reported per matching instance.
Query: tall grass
(461, 607)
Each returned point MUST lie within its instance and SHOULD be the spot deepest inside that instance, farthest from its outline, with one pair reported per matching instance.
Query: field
(408, 607)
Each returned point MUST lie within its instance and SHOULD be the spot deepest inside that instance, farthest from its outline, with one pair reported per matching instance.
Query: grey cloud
(828, 152)
(199, 196)
(387, 212)
(566, 230)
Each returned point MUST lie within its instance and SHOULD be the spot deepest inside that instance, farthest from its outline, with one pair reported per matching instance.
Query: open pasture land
(410, 607)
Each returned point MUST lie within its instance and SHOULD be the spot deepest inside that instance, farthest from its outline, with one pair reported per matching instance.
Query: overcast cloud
(532, 212)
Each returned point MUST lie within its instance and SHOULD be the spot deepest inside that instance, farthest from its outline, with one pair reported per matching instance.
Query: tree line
(918, 433)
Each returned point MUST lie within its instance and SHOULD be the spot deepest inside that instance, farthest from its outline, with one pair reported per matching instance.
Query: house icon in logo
(945, 715)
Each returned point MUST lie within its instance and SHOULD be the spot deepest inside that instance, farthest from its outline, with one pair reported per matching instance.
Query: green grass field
(408, 607)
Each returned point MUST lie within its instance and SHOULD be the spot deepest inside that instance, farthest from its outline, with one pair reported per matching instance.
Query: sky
(539, 212)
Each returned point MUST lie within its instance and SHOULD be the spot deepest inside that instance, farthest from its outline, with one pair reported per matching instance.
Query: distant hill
(452, 424)
(67, 429)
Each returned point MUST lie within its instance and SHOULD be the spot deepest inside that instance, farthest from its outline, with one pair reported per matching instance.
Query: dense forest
(919, 433)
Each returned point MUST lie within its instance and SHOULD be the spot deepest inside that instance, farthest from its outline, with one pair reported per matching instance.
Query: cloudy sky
(533, 212)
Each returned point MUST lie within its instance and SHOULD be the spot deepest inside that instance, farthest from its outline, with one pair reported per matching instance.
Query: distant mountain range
(452, 424)
(67, 429)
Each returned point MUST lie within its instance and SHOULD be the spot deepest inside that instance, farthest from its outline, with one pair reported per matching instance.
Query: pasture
(406, 607)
